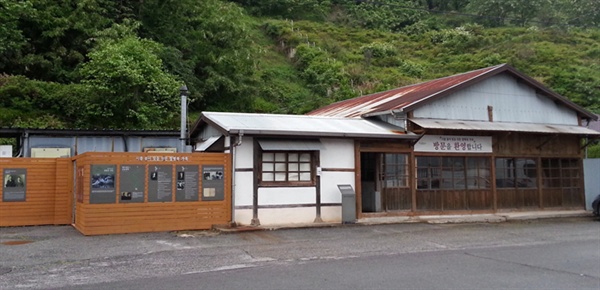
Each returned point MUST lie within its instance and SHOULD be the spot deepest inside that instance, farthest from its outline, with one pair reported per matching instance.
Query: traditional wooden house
(485, 141)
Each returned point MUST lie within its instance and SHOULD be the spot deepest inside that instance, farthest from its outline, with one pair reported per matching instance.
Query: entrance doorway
(385, 182)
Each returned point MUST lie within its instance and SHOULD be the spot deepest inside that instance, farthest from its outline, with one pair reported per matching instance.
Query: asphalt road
(540, 254)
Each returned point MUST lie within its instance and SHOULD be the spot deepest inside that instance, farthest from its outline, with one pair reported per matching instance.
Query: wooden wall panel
(97, 219)
(48, 197)
(480, 199)
(397, 198)
(534, 145)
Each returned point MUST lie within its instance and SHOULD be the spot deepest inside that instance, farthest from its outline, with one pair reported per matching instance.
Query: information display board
(103, 184)
(14, 184)
(131, 183)
(213, 182)
(160, 183)
(187, 183)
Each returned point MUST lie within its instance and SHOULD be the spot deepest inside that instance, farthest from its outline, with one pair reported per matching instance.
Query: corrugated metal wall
(80, 145)
(511, 101)
(591, 171)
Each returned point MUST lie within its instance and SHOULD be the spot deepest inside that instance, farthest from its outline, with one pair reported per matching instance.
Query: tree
(496, 12)
(133, 89)
(209, 46)
(389, 15)
(11, 37)
(288, 9)
(56, 34)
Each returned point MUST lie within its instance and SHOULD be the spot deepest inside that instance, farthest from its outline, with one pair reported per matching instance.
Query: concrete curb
(433, 219)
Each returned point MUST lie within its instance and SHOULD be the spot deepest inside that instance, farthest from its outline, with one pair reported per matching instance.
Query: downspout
(26, 144)
(125, 148)
(233, 184)
(587, 140)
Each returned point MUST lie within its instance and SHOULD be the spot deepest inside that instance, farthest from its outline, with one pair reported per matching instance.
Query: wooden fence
(36, 191)
(161, 196)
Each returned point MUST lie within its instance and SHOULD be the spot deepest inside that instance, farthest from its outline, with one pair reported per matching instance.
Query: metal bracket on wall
(590, 141)
(546, 141)
(418, 139)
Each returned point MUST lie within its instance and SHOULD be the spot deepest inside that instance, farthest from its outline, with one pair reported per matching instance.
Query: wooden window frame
(568, 176)
(455, 178)
(287, 182)
(514, 172)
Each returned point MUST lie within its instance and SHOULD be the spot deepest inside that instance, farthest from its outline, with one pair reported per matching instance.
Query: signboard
(186, 186)
(454, 144)
(160, 183)
(213, 182)
(131, 183)
(103, 184)
(14, 184)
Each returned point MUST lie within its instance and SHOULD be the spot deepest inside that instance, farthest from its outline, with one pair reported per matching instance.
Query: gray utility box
(348, 203)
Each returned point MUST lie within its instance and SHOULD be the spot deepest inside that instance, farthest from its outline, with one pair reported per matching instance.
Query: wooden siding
(48, 198)
(96, 219)
(536, 147)
(397, 198)
(454, 200)
(518, 198)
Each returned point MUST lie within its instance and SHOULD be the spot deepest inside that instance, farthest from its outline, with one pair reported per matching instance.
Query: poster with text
(103, 184)
(160, 183)
(186, 185)
(213, 182)
(131, 183)
(14, 184)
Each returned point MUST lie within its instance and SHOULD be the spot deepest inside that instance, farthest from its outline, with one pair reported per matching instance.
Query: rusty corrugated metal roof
(397, 98)
(409, 97)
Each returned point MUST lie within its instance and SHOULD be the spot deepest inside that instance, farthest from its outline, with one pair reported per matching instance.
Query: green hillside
(119, 64)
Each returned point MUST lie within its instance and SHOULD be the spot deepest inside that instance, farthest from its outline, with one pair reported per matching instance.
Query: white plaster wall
(243, 216)
(244, 181)
(329, 181)
(331, 214)
(244, 153)
(286, 195)
(244, 184)
(281, 216)
(511, 101)
(337, 153)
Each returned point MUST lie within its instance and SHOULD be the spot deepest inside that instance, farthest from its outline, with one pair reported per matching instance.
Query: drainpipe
(233, 150)
(587, 139)
(26, 144)
(183, 128)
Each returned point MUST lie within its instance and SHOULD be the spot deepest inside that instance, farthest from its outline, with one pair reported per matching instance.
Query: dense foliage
(119, 64)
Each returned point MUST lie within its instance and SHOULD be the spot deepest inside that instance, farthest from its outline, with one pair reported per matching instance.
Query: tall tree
(11, 36)
(133, 90)
(56, 34)
(209, 46)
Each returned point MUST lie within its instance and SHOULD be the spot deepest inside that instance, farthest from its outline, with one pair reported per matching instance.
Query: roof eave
(321, 134)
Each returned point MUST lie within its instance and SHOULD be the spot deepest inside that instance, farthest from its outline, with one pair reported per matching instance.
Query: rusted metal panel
(408, 98)
(397, 98)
